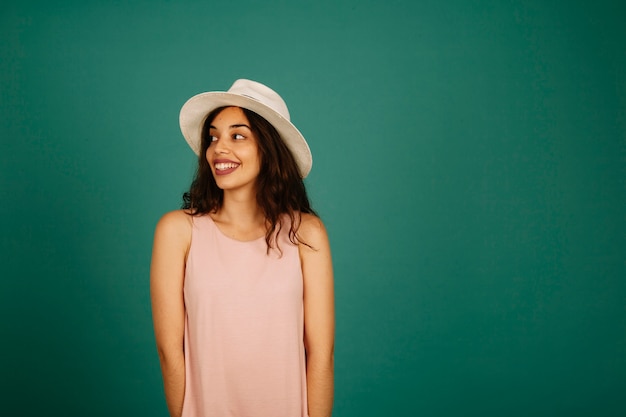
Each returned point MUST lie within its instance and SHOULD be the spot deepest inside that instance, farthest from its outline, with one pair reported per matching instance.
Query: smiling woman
(241, 276)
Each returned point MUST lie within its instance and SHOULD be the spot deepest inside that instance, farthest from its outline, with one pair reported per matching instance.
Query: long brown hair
(280, 190)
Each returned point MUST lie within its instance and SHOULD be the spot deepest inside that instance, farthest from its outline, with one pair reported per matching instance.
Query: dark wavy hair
(280, 190)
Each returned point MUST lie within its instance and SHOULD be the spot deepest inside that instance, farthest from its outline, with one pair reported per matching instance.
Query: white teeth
(225, 165)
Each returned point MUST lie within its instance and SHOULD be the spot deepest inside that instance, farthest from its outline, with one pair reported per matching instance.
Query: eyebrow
(233, 126)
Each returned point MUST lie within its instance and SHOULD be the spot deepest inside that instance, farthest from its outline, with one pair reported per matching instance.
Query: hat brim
(194, 112)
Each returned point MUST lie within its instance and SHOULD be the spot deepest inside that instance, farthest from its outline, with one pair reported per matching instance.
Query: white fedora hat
(253, 96)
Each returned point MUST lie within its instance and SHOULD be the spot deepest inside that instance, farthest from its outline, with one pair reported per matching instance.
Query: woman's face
(233, 153)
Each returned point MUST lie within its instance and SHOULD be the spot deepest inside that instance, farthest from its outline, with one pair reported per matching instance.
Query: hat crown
(262, 94)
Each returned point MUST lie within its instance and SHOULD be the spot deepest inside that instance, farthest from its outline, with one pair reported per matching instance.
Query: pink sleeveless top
(244, 348)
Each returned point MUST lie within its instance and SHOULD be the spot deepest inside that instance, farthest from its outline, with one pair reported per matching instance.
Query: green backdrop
(469, 162)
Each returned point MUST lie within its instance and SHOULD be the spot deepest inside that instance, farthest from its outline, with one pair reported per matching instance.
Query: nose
(220, 146)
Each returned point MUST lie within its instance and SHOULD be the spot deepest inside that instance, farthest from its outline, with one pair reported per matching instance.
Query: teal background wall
(469, 162)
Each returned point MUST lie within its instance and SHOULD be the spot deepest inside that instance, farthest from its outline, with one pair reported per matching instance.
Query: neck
(241, 209)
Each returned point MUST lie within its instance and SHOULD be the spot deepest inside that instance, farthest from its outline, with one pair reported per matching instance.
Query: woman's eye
(237, 136)
(212, 139)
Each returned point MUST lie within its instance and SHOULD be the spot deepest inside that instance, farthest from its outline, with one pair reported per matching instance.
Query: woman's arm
(319, 315)
(171, 244)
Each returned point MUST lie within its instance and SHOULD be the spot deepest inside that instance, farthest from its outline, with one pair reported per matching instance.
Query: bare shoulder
(313, 232)
(175, 225)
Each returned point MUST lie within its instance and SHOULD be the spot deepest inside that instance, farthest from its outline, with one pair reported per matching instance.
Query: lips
(223, 167)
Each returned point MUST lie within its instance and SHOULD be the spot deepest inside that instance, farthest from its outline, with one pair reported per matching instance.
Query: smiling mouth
(223, 166)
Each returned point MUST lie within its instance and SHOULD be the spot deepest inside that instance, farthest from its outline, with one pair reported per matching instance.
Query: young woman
(241, 278)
